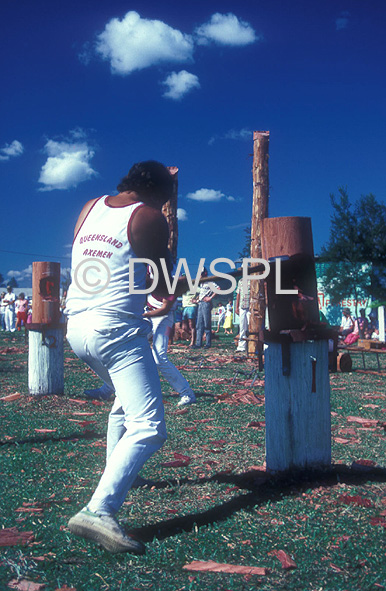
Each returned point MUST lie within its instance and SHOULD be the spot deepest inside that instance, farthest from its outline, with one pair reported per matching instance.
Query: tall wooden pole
(169, 210)
(259, 212)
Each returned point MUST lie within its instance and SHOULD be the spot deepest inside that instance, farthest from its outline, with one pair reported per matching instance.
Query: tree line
(353, 261)
(354, 258)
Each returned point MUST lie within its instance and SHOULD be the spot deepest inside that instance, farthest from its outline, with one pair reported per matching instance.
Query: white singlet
(100, 264)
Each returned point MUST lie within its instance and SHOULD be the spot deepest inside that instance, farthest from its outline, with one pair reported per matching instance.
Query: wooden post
(45, 355)
(169, 210)
(297, 407)
(381, 323)
(297, 386)
(259, 212)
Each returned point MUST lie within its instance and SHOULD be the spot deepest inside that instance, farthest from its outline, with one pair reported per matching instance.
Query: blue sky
(89, 88)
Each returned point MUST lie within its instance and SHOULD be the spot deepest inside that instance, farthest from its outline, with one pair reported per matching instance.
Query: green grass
(220, 507)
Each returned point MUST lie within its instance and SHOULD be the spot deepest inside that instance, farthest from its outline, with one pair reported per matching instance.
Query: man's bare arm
(149, 237)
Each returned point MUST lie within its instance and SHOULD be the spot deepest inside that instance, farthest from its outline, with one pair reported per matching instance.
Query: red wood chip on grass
(355, 500)
(45, 430)
(257, 424)
(180, 461)
(181, 411)
(12, 537)
(378, 521)
(341, 440)
(363, 421)
(25, 585)
(335, 568)
(11, 397)
(285, 559)
(218, 567)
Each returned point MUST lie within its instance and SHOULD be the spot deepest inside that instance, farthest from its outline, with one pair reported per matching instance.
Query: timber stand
(45, 333)
(297, 399)
(297, 384)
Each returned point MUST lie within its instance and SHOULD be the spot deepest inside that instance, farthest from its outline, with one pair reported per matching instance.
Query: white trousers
(9, 319)
(244, 322)
(119, 352)
(161, 330)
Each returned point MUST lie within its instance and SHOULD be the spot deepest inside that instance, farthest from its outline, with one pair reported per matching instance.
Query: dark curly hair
(148, 179)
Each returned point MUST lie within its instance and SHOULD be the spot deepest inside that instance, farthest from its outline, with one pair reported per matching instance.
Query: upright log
(45, 354)
(45, 293)
(297, 388)
(169, 210)
(290, 240)
(259, 212)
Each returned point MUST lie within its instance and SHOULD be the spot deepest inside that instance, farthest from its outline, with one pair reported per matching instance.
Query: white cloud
(182, 214)
(342, 21)
(233, 134)
(135, 43)
(67, 165)
(26, 274)
(225, 29)
(10, 150)
(237, 226)
(238, 134)
(179, 84)
(208, 195)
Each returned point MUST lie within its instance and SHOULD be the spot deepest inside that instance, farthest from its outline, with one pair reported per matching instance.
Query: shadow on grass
(52, 439)
(262, 488)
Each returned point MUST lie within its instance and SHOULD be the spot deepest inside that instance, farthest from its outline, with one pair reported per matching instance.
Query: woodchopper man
(106, 329)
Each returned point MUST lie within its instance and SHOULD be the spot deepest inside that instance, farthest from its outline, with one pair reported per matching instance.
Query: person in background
(373, 327)
(353, 336)
(21, 311)
(204, 313)
(221, 316)
(242, 310)
(228, 322)
(2, 311)
(363, 324)
(189, 315)
(347, 324)
(29, 313)
(160, 312)
(9, 316)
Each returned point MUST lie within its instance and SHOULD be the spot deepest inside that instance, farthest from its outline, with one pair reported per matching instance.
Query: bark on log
(259, 212)
(290, 240)
(169, 210)
(45, 292)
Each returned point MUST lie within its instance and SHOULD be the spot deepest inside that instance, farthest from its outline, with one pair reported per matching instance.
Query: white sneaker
(105, 530)
(184, 400)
